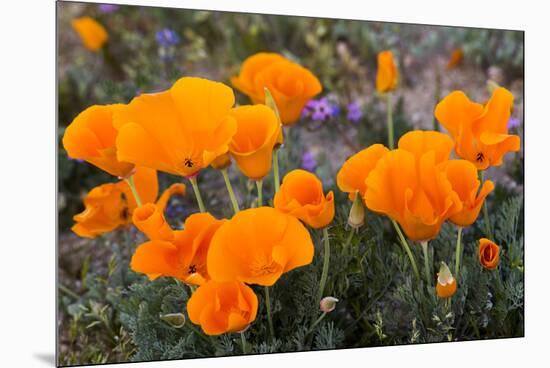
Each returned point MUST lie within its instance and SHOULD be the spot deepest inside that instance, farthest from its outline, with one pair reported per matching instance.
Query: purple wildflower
(108, 8)
(354, 112)
(513, 123)
(335, 110)
(308, 161)
(167, 37)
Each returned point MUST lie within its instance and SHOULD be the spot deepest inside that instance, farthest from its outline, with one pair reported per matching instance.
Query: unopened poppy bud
(489, 254)
(176, 320)
(328, 303)
(446, 283)
(270, 102)
(356, 217)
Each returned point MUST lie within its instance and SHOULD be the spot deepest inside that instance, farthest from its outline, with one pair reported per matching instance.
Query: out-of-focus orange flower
(387, 75)
(252, 145)
(91, 137)
(109, 206)
(489, 254)
(413, 191)
(301, 195)
(354, 172)
(419, 142)
(290, 84)
(480, 132)
(446, 283)
(257, 246)
(220, 307)
(183, 255)
(456, 58)
(179, 131)
(463, 177)
(92, 33)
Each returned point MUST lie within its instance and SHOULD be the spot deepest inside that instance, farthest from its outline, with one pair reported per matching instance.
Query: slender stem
(426, 262)
(276, 177)
(326, 262)
(260, 195)
(132, 186)
(458, 254)
(390, 120)
(268, 309)
(243, 342)
(348, 240)
(195, 186)
(407, 249)
(68, 291)
(317, 321)
(234, 202)
(487, 223)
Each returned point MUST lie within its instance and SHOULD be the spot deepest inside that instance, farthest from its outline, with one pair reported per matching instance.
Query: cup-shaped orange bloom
(446, 283)
(182, 256)
(463, 177)
(412, 191)
(149, 219)
(91, 137)
(252, 146)
(456, 58)
(387, 75)
(221, 307)
(489, 254)
(290, 84)
(257, 246)
(109, 206)
(92, 33)
(301, 195)
(354, 172)
(480, 132)
(418, 142)
(179, 131)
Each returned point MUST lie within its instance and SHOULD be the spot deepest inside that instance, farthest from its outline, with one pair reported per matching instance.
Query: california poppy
(301, 195)
(418, 142)
(291, 85)
(109, 206)
(463, 177)
(354, 172)
(257, 246)
(489, 254)
(179, 131)
(221, 162)
(91, 137)
(446, 283)
(91, 32)
(252, 145)
(221, 307)
(387, 75)
(182, 255)
(480, 131)
(456, 58)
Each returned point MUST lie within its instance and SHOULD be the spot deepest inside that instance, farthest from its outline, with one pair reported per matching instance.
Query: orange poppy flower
(109, 206)
(252, 145)
(413, 191)
(179, 131)
(221, 307)
(489, 254)
(291, 85)
(221, 162)
(456, 58)
(92, 33)
(418, 142)
(387, 75)
(182, 255)
(354, 172)
(446, 283)
(257, 246)
(301, 195)
(463, 177)
(91, 137)
(480, 132)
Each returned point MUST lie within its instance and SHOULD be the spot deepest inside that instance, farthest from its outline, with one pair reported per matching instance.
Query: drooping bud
(356, 217)
(270, 102)
(328, 303)
(446, 283)
(176, 320)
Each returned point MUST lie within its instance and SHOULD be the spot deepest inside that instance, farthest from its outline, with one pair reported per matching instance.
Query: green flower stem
(407, 249)
(195, 186)
(390, 120)
(317, 321)
(348, 240)
(243, 342)
(133, 188)
(426, 263)
(68, 291)
(230, 190)
(260, 195)
(488, 230)
(268, 309)
(458, 254)
(326, 262)
(276, 177)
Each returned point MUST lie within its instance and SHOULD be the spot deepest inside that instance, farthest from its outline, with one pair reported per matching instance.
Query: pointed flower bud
(176, 320)
(270, 102)
(328, 303)
(446, 283)
(356, 217)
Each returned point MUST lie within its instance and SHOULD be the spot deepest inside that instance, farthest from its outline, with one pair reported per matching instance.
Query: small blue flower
(335, 112)
(308, 161)
(108, 8)
(354, 112)
(167, 37)
(513, 123)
